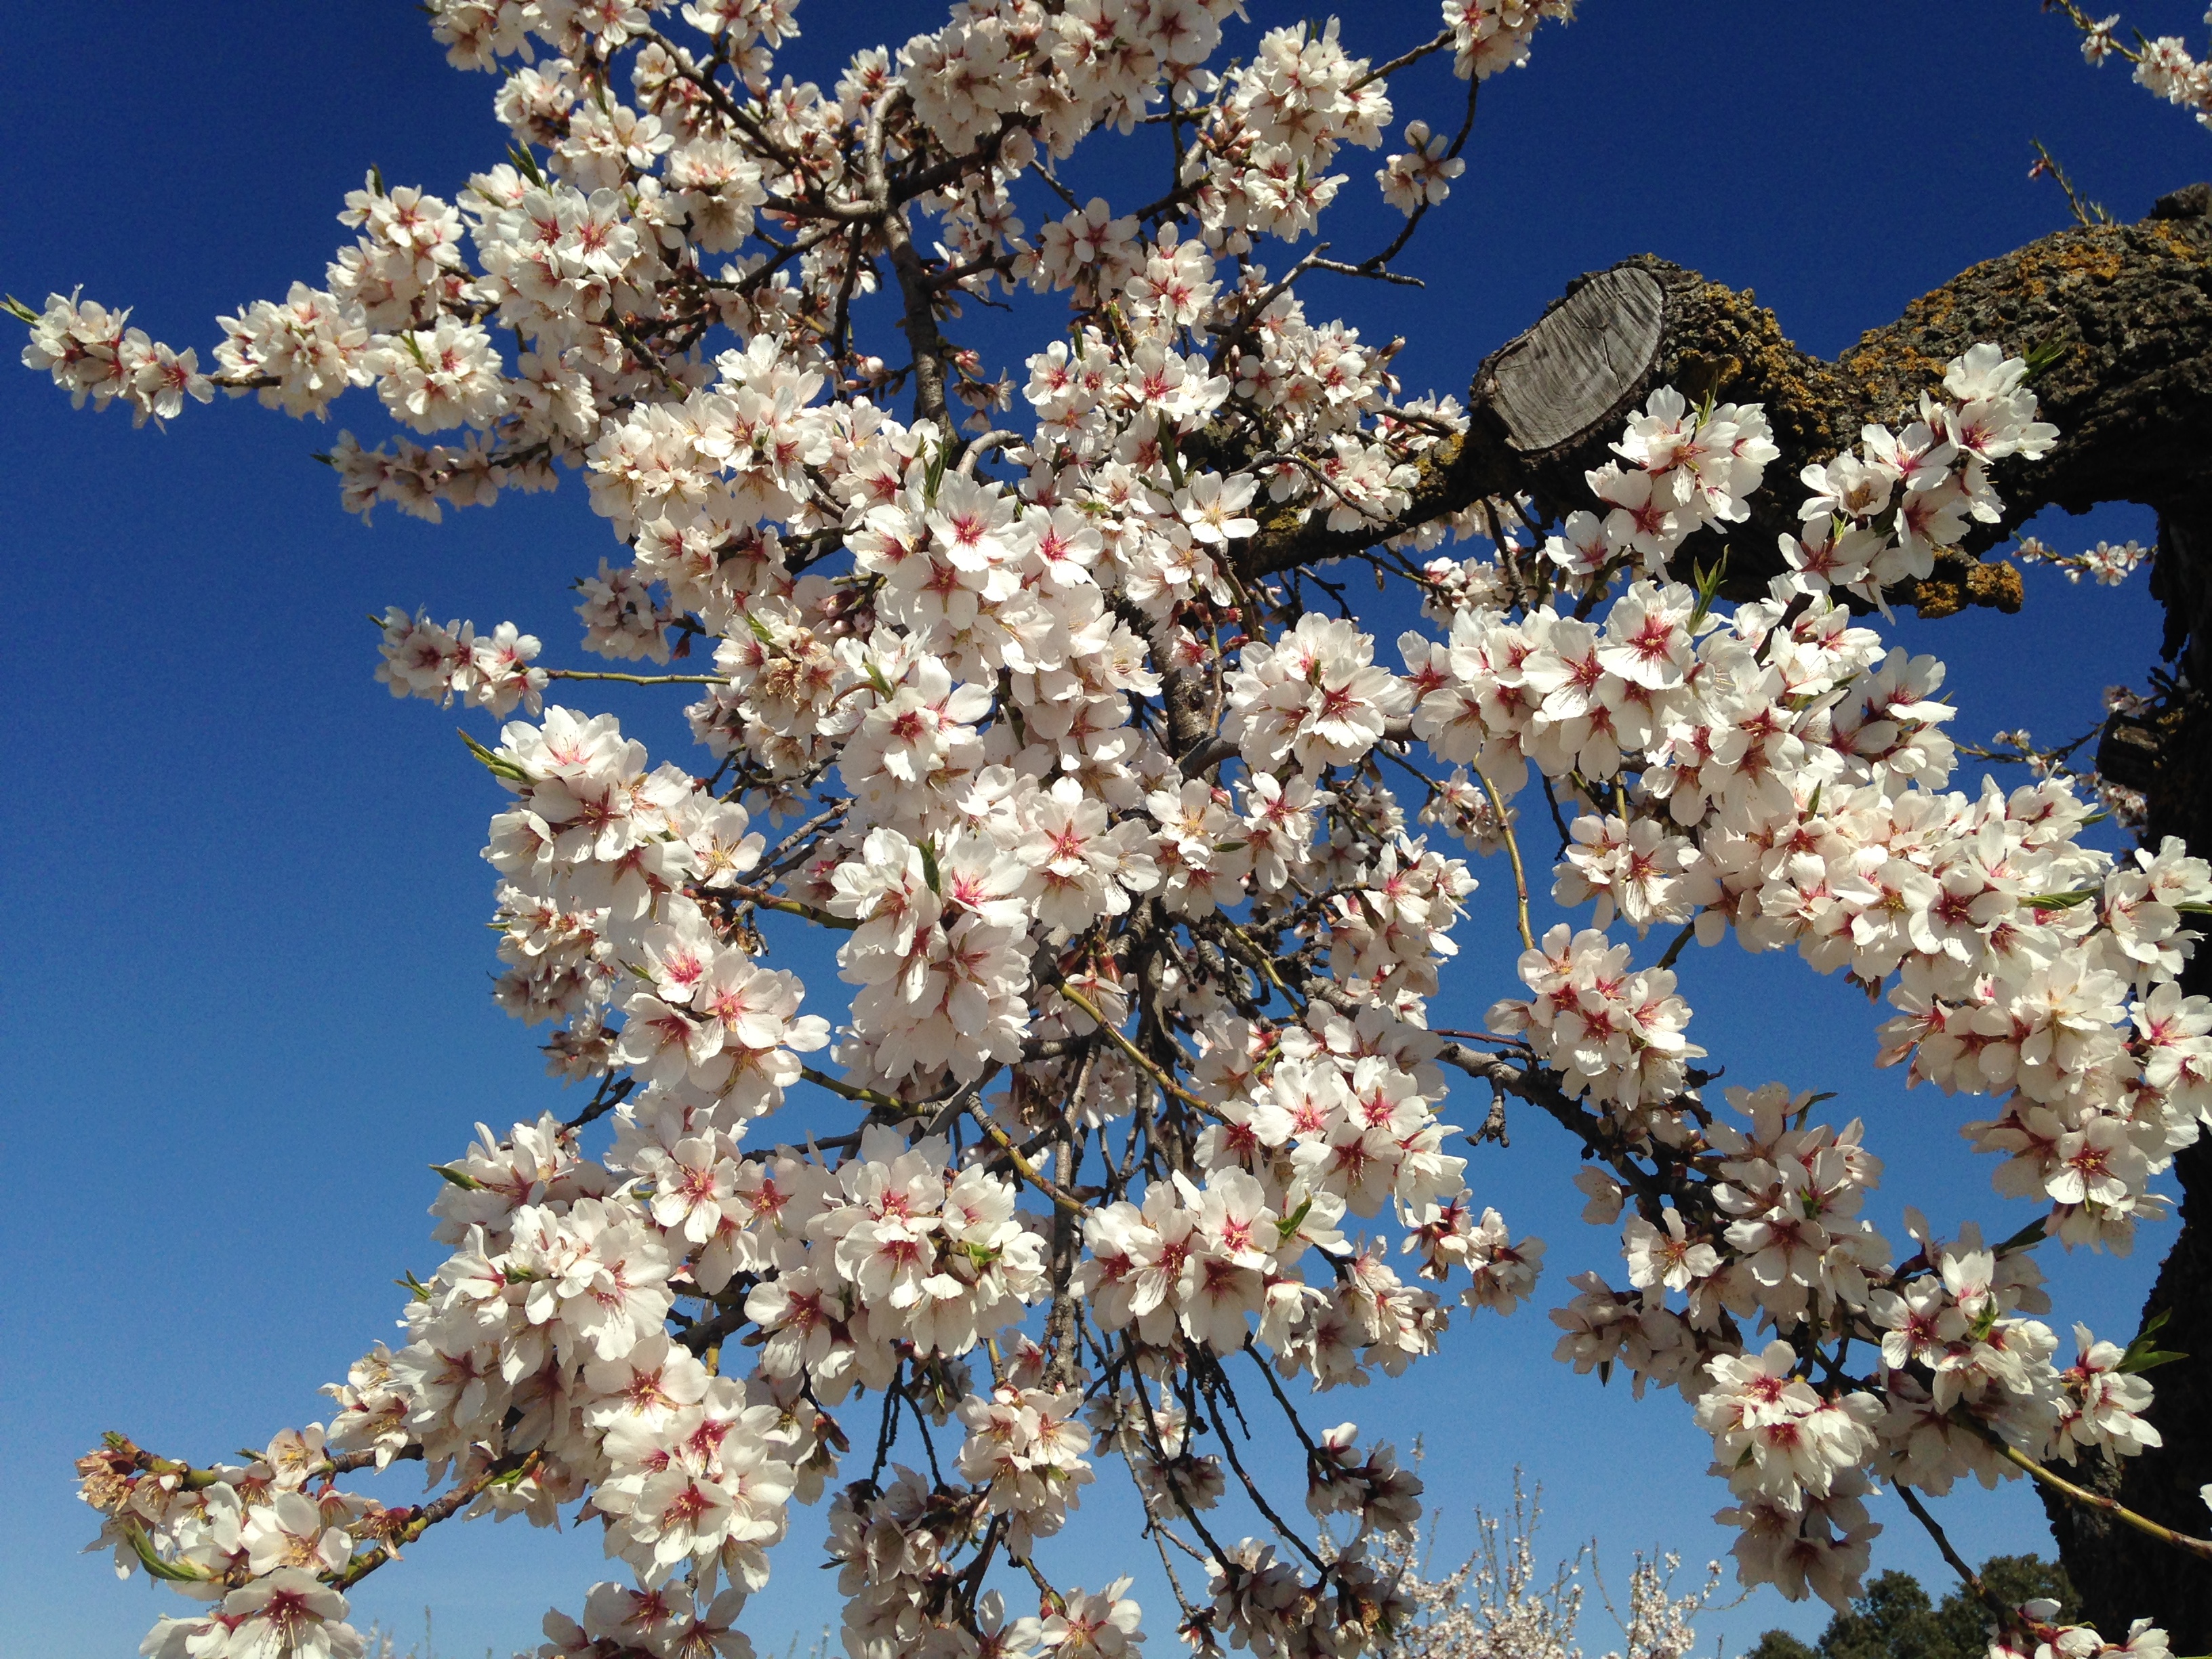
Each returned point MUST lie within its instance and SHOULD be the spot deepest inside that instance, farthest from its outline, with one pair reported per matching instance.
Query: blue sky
(246, 988)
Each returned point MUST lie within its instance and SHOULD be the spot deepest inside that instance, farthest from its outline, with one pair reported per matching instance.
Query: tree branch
(2121, 313)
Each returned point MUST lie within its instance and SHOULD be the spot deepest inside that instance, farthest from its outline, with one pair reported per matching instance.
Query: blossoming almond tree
(1498, 1605)
(1144, 856)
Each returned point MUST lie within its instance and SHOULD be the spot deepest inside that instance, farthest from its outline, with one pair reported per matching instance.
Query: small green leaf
(16, 308)
(929, 872)
(173, 1572)
(2026, 1239)
(2042, 356)
(498, 765)
(1708, 588)
(2148, 1358)
(2142, 1354)
(459, 1176)
(526, 164)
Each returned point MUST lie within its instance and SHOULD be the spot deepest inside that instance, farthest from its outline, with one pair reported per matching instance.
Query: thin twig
(1027, 1171)
(790, 907)
(1442, 41)
(515, 1470)
(2006, 1615)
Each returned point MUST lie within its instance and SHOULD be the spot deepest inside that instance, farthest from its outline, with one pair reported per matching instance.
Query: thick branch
(2126, 309)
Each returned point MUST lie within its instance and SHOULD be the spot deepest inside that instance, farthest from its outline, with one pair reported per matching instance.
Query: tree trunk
(2120, 1573)
(2120, 317)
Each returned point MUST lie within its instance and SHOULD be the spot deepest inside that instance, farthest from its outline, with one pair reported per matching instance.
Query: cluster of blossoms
(422, 659)
(1687, 469)
(2166, 70)
(1421, 175)
(1137, 1073)
(1489, 35)
(1875, 518)
(2164, 66)
(1782, 779)
(92, 353)
(2107, 565)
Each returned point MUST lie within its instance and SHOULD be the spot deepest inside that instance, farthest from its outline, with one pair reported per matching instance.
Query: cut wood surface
(1582, 361)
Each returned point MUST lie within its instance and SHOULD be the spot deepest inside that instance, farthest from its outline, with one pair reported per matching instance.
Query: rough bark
(2119, 1573)
(2120, 317)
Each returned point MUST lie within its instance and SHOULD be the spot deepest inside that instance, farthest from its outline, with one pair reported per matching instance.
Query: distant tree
(1893, 1619)
(1961, 1622)
(1781, 1644)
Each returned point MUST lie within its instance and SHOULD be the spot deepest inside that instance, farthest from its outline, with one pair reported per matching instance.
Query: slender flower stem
(1027, 1171)
(2200, 1547)
(1403, 58)
(1257, 958)
(634, 679)
(1513, 852)
(1138, 1054)
(1674, 949)
(875, 1098)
